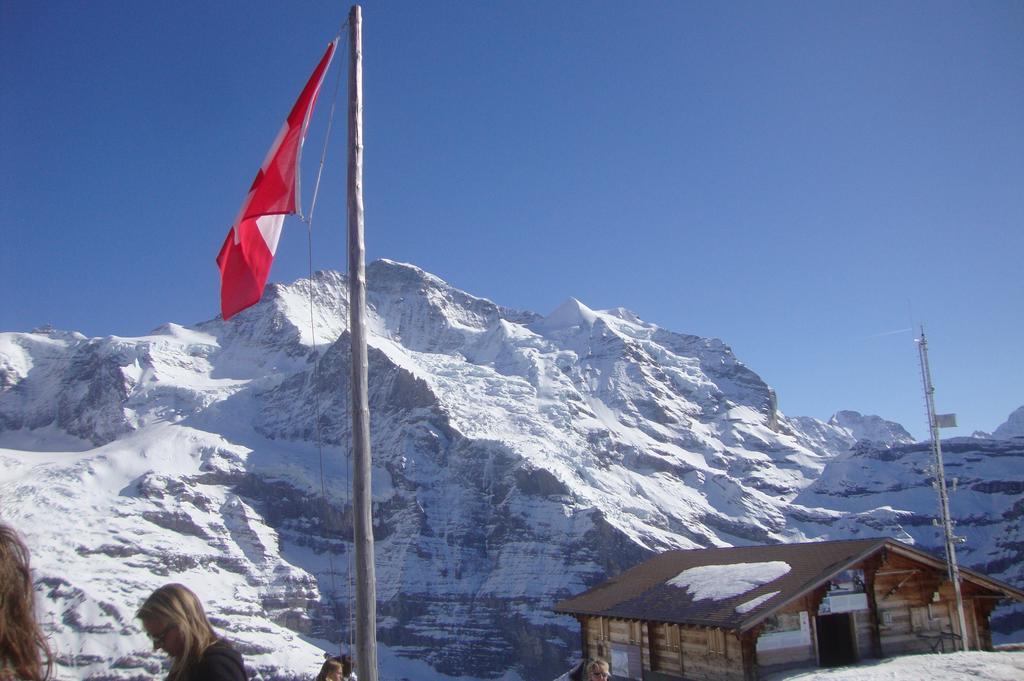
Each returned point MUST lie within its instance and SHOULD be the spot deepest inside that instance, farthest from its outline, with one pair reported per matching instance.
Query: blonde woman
(175, 621)
(597, 670)
(24, 655)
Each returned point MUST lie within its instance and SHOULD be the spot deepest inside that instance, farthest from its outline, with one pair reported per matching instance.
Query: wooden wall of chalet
(769, 661)
(667, 651)
(911, 618)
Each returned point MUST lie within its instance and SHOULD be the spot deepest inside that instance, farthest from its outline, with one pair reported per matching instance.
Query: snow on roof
(744, 608)
(718, 582)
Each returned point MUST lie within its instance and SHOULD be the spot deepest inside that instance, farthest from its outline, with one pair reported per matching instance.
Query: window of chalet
(922, 618)
(665, 647)
(672, 634)
(716, 641)
(625, 662)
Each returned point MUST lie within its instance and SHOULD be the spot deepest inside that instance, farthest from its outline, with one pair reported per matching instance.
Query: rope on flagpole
(327, 136)
(312, 324)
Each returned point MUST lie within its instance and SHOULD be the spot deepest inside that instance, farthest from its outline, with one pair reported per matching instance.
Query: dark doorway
(835, 640)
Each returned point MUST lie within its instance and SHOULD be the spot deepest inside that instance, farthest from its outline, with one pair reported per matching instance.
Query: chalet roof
(738, 587)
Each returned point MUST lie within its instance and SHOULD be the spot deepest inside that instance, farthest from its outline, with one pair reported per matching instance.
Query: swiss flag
(248, 251)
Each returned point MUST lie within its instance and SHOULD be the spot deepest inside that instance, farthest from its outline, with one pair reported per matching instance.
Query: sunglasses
(600, 675)
(158, 639)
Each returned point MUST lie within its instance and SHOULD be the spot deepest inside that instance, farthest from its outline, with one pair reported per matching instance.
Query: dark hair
(330, 665)
(342, 662)
(23, 647)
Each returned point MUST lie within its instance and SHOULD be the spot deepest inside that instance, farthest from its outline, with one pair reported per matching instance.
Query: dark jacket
(220, 662)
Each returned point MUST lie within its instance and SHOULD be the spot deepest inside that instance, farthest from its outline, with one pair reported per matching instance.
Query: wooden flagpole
(362, 498)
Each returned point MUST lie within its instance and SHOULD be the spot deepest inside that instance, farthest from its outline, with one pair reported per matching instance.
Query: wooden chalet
(739, 613)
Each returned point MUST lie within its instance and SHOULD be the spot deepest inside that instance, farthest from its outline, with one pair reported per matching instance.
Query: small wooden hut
(739, 613)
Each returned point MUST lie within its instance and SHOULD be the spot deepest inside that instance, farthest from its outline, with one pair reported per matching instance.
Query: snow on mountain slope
(518, 459)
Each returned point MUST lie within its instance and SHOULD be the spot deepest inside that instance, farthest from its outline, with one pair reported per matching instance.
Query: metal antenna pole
(366, 590)
(940, 483)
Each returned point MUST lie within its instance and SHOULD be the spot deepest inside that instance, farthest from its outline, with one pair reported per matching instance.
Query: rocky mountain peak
(870, 427)
(571, 314)
(1012, 427)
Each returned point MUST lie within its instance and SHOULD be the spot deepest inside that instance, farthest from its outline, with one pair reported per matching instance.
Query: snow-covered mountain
(518, 459)
(1013, 427)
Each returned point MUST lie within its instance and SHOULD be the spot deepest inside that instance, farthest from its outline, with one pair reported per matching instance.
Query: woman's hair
(331, 665)
(23, 648)
(176, 605)
(344, 663)
(597, 665)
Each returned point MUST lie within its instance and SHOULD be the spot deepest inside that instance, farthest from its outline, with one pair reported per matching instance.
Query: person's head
(331, 670)
(22, 644)
(597, 670)
(175, 621)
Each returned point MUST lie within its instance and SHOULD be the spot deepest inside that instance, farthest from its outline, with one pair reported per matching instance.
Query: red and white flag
(248, 251)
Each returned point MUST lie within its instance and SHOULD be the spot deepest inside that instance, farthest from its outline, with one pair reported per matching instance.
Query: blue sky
(804, 180)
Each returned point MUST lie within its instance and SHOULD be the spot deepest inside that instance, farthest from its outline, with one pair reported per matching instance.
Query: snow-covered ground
(997, 666)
